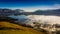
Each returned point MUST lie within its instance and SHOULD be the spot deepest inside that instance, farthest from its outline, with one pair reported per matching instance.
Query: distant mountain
(7, 12)
(47, 12)
(27, 13)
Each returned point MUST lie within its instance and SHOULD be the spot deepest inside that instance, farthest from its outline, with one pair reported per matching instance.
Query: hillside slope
(10, 28)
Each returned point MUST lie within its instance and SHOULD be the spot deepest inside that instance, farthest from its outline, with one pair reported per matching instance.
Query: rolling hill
(10, 28)
(55, 12)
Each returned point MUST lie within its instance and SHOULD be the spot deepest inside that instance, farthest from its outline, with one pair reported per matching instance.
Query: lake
(21, 18)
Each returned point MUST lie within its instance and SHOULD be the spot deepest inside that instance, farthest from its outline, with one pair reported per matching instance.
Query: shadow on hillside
(9, 28)
(58, 32)
(8, 19)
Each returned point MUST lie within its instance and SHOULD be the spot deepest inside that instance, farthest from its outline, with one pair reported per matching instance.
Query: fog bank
(45, 19)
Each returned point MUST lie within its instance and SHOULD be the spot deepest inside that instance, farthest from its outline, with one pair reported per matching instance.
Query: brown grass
(23, 30)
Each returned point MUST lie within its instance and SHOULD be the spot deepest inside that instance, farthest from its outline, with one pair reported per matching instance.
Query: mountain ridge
(55, 12)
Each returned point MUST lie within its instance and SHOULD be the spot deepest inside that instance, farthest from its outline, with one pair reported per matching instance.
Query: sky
(30, 5)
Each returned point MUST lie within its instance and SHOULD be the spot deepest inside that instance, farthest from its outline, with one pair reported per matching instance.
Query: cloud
(32, 9)
(45, 19)
(57, 5)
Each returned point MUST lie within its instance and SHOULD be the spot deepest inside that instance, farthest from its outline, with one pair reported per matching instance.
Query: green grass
(23, 30)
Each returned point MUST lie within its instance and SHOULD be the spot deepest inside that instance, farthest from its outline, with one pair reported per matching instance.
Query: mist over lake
(45, 19)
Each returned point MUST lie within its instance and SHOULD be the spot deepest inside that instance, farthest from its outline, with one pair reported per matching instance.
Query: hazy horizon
(30, 5)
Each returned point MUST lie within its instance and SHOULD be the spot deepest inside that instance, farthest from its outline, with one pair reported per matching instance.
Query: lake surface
(21, 18)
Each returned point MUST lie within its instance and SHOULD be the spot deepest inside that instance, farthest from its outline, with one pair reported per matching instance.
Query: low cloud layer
(46, 19)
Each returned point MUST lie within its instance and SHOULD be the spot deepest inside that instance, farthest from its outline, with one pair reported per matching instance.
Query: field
(10, 28)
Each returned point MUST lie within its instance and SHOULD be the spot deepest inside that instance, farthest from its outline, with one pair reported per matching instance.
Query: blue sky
(30, 5)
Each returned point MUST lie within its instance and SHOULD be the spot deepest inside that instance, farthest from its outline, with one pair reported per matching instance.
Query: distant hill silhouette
(7, 12)
(47, 12)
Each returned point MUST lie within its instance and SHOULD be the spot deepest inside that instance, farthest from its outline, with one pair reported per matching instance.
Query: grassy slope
(23, 30)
